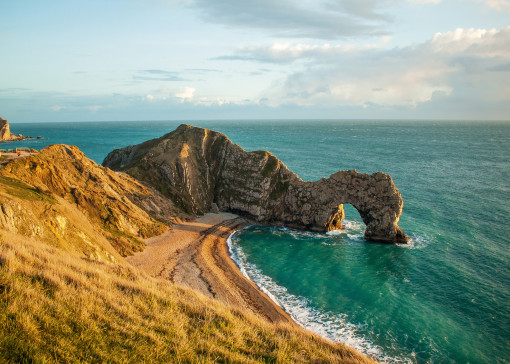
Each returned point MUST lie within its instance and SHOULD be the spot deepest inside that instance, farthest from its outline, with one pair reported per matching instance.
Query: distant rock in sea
(202, 170)
(6, 135)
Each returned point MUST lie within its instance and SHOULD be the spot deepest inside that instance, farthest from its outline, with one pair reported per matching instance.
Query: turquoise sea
(442, 298)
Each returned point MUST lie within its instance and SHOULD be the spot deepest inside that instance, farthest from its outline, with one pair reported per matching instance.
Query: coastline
(195, 254)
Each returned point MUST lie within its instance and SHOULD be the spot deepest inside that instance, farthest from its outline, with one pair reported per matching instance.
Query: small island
(7, 136)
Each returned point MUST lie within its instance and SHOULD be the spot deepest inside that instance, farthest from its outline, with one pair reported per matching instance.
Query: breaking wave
(335, 327)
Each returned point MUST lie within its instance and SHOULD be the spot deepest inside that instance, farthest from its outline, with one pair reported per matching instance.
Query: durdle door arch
(199, 168)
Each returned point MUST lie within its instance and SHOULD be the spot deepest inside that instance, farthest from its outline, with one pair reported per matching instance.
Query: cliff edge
(200, 169)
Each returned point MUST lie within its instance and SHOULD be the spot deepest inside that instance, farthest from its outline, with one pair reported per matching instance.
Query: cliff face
(5, 133)
(198, 168)
(122, 209)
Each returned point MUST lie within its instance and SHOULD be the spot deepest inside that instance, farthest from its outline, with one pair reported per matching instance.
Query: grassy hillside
(58, 307)
(67, 294)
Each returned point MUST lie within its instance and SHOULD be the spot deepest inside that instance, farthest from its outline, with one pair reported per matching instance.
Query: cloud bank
(473, 64)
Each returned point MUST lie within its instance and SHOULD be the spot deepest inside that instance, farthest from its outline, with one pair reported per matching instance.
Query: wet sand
(195, 254)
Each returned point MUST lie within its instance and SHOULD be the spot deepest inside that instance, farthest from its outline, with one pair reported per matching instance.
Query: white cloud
(471, 63)
(323, 19)
(157, 75)
(57, 108)
(499, 5)
(287, 52)
(185, 94)
(475, 42)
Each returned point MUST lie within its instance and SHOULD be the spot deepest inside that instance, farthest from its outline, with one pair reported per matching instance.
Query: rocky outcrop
(121, 207)
(200, 169)
(6, 135)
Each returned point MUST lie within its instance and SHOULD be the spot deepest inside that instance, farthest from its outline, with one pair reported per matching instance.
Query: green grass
(279, 189)
(59, 307)
(21, 190)
(269, 168)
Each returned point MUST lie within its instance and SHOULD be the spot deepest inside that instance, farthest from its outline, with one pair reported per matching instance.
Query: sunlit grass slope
(67, 294)
(56, 306)
(122, 208)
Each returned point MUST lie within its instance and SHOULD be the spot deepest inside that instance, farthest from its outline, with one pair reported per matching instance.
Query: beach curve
(195, 254)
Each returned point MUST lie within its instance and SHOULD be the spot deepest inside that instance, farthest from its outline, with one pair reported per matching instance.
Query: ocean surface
(442, 298)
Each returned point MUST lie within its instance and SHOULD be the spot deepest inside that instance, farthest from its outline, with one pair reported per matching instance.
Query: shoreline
(195, 254)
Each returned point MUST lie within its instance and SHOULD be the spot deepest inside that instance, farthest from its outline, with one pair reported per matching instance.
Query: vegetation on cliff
(67, 295)
(123, 210)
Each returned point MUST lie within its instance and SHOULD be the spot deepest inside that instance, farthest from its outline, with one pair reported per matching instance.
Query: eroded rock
(198, 168)
(6, 135)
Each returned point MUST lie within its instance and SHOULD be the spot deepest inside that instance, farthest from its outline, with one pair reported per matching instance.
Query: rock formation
(6, 135)
(122, 208)
(200, 169)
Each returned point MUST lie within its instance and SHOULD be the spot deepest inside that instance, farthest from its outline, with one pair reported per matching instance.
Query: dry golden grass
(109, 199)
(66, 295)
(56, 306)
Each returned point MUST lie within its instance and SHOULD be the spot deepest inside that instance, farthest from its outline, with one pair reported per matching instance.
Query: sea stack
(200, 169)
(6, 135)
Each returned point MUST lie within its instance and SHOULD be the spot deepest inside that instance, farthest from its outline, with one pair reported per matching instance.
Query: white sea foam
(356, 237)
(335, 232)
(352, 229)
(353, 225)
(416, 242)
(335, 327)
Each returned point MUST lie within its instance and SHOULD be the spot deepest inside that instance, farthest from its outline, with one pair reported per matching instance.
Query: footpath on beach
(15, 154)
(195, 254)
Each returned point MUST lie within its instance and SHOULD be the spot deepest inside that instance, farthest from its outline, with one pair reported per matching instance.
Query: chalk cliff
(200, 169)
(6, 135)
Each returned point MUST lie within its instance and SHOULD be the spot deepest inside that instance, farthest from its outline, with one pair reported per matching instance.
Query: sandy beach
(195, 254)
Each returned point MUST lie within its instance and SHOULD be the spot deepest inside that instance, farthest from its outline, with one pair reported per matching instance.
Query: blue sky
(254, 59)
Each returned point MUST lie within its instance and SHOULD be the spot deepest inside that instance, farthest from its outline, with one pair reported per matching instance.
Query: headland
(202, 170)
(7, 136)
